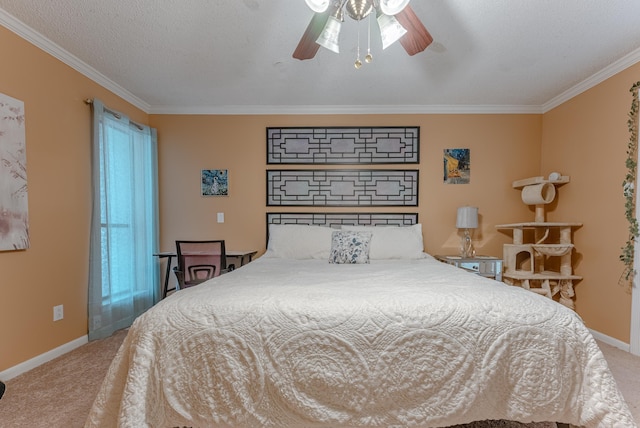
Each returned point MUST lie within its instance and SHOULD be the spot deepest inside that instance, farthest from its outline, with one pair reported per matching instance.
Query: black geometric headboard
(316, 187)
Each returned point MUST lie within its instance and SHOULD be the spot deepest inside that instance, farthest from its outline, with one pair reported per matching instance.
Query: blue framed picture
(457, 166)
(215, 182)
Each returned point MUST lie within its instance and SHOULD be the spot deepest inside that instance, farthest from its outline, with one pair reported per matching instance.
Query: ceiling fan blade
(417, 37)
(307, 47)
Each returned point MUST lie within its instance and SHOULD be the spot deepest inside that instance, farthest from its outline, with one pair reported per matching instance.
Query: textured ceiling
(203, 56)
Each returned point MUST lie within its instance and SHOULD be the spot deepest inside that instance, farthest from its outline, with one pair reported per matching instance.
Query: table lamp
(467, 219)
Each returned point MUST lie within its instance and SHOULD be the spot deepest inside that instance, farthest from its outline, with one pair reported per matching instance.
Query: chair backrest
(200, 260)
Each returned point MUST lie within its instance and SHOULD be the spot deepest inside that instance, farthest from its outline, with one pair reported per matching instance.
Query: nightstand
(488, 266)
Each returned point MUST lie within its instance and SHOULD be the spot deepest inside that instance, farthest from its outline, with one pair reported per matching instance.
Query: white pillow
(393, 242)
(299, 241)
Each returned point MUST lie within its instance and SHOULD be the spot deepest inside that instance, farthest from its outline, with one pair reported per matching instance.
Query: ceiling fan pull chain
(358, 63)
(369, 57)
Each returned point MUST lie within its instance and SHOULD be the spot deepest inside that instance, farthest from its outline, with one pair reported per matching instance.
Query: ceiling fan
(396, 19)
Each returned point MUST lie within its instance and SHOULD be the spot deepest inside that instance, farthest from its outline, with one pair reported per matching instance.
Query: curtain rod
(89, 101)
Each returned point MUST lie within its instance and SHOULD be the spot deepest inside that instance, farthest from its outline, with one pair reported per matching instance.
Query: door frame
(634, 342)
(634, 339)
(634, 346)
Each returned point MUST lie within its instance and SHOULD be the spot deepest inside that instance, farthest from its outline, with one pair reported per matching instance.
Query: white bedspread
(297, 343)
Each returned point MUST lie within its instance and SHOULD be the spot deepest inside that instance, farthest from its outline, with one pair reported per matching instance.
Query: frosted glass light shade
(390, 30)
(393, 7)
(318, 6)
(329, 36)
(467, 218)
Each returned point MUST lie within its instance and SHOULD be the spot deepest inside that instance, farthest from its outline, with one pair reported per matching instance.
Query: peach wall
(503, 148)
(586, 138)
(54, 269)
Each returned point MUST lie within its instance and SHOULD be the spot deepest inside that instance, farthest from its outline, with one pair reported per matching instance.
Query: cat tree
(539, 259)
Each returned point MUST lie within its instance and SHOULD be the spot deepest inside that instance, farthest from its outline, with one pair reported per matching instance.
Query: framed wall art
(215, 182)
(456, 166)
(342, 188)
(14, 213)
(344, 145)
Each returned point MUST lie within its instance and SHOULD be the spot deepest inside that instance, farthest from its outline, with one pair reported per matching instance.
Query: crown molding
(602, 75)
(40, 41)
(349, 109)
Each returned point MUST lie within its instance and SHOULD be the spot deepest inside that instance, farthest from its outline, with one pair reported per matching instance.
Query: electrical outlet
(58, 312)
(220, 217)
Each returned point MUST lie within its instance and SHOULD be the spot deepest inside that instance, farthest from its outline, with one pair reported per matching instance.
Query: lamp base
(466, 246)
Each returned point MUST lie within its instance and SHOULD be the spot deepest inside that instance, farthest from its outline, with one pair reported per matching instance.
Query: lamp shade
(467, 218)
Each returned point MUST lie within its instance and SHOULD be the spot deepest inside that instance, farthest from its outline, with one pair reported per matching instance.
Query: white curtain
(123, 273)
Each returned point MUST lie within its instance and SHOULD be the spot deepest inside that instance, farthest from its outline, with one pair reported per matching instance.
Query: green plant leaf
(628, 186)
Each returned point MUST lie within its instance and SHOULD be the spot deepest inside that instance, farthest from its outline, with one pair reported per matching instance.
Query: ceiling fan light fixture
(393, 7)
(318, 6)
(358, 9)
(328, 39)
(390, 30)
(396, 20)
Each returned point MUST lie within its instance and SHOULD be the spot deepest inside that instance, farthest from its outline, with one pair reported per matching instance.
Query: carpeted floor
(60, 393)
(626, 370)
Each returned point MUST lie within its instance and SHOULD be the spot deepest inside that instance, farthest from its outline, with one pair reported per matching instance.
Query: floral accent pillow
(350, 247)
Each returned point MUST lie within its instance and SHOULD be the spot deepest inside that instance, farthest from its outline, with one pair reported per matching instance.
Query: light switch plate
(58, 312)
(220, 217)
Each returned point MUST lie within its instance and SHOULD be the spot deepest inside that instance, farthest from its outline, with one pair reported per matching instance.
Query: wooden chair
(199, 261)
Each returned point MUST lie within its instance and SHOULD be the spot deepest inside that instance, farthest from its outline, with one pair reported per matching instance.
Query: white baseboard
(34, 362)
(611, 341)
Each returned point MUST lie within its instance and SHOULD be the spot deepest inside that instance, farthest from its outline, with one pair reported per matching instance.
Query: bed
(356, 327)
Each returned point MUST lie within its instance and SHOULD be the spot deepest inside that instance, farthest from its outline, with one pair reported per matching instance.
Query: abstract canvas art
(14, 214)
(215, 182)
